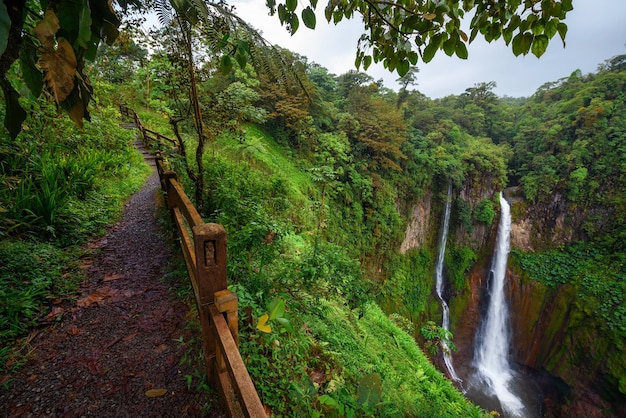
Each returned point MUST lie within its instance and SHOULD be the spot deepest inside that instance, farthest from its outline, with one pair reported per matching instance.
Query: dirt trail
(116, 352)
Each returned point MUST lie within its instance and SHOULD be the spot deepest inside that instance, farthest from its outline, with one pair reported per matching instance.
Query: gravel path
(117, 353)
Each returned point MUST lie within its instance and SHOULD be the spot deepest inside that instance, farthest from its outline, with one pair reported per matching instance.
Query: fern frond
(163, 10)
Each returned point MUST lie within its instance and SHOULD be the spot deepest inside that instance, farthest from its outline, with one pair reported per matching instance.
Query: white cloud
(596, 32)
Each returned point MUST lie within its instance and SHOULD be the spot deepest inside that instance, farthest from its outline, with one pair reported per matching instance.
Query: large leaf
(540, 43)
(308, 17)
(32, 75)
(5, 27)
(75, 21)
(287, 324)
(262, 324)
(15, 115)
(60, 69)
(47, 28)
(277, 308)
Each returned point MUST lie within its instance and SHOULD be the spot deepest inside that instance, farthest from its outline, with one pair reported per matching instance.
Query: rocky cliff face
(418, 225)
(552, 336)
(551, 332)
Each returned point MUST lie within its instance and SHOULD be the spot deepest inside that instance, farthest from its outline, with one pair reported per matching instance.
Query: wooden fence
(204, 249)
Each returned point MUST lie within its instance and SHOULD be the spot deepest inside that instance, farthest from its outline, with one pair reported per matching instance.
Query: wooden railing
(204, 249)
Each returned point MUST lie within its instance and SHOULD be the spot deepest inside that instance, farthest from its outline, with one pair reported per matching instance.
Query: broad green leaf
(403, 67)
(551, 27)
(75, 21)
(566, 5)
(277, 308)
(226, 64)
(431, 48)
(294, 22)
(449, 46)
(540, 43)
(328, 12)
(562, 29)
(84, 25)
(521, 43)
(241, 59)
(287, 324)
(15, 115)
(291, 5)
(537, 27)
(32, 76)
(327, 400)
(517, 44)
(367, 61)
(262, 324)
(282, 13)
(5, 27)
(308, 17)
(461, 50)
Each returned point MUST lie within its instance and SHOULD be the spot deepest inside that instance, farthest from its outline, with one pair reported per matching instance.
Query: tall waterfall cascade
(447, 358)
(492, 346)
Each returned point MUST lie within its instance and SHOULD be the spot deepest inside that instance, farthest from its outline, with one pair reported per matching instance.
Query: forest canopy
(52, 39)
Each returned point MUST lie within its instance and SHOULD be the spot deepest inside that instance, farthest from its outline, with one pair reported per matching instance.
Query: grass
(264, 154)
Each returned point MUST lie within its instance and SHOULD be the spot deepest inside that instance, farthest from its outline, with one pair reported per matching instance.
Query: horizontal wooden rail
(204, 250)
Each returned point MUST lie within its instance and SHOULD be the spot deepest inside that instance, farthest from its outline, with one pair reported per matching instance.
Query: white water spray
(447, 358)
(491, 355)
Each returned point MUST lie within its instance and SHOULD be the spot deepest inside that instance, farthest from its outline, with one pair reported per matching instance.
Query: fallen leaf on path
(86, 264)
(54, 314)
(111, 277)
(155, 393)
(96, 297)
(129, 337)
(161, 348)
(74, 330)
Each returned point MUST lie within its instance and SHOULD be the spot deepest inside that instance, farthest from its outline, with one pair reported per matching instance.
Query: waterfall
(447, 358)
(492, 346)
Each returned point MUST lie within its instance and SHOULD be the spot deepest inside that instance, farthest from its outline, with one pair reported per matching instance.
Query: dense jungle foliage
(314, 179)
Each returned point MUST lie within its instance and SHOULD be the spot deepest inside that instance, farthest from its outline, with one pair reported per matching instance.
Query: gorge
(555, 368)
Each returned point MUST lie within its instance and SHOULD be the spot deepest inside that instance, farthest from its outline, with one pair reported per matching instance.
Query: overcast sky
(597, 31)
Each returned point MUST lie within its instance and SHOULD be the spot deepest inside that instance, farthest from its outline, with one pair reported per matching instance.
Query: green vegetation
(314, 177)
(60, 186)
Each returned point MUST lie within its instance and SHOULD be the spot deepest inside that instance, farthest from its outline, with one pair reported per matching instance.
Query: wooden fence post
(226, 302)
(210, 250)
(166, 183)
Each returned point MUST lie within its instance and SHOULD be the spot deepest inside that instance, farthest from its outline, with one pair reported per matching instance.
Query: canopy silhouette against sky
(597, 32)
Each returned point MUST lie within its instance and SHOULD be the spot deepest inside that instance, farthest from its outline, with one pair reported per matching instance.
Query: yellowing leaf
(262, 324)
(463, 35)
(155, 393)
(429, 16)
(47, 28)
(60, 69)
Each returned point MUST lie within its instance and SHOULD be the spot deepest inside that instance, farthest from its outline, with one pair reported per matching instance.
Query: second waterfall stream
(447, 358)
